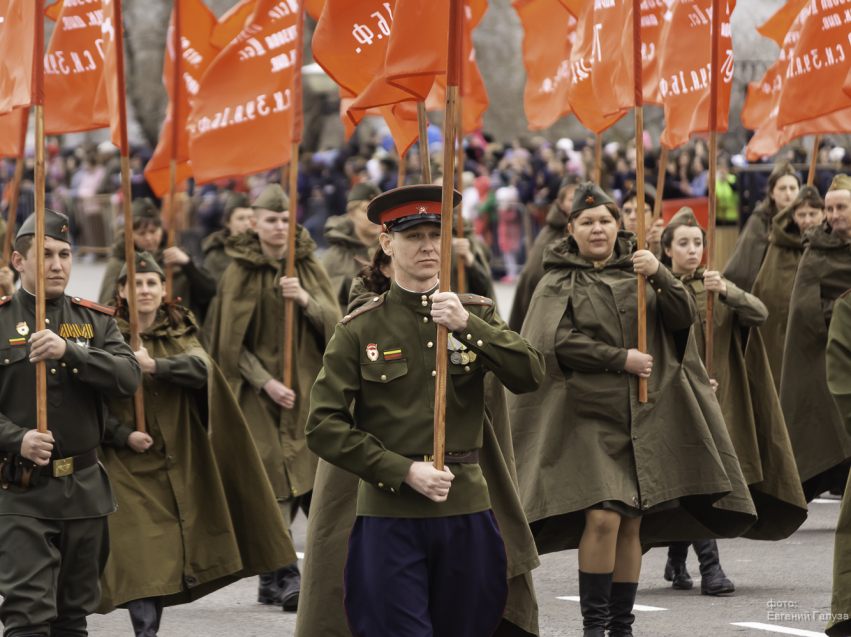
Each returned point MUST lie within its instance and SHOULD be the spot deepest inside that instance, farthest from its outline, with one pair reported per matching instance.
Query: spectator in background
(509, 230)
(727, 193)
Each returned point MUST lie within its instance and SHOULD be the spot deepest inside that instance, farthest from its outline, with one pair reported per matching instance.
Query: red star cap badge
(64, 229)
(589, 200)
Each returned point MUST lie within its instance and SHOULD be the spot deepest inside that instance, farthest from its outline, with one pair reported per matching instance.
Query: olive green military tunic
(383, 358)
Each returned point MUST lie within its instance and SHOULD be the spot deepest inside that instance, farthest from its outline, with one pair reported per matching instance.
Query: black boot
(675, 568)
(269, 591)
(289, 581)
(145, 615)
(712, 578)
(620, 609)
(595, 590)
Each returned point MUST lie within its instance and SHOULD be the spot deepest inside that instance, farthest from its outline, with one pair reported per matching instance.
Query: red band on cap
(409, 209)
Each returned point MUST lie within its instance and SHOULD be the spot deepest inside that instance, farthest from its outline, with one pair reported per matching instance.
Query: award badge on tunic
(460, 355)
(22, 329)
(372, 352)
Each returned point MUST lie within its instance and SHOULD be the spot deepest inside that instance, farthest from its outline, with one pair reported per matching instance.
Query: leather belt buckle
(63, 467)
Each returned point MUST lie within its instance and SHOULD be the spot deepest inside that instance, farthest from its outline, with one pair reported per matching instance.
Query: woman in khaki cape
(196, 510)
(748, 400)
(773, 285)
(598, 470)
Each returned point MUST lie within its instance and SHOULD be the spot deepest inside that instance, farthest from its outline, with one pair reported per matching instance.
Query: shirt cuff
(122, 433)
(163, 369)
(477, 334)
(662, 280)
(735, 295)
(391, 472)
(75, 358)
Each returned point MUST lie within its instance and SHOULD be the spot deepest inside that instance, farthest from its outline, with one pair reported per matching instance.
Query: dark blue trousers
(426, 577)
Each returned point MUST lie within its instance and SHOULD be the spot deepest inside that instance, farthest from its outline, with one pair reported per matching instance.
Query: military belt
(67, 466)
(458, 457)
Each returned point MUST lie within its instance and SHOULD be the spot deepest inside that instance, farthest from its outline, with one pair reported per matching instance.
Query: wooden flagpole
(173, 206)
(598, 159)
(460, 265)
(713, 160)
(660, 189)
(289, 307)
(639, 184)
(40, 314)
(129, 245)
(16, 192)
(811, 176)
(453, 72)
(403, 170)
(425, 155)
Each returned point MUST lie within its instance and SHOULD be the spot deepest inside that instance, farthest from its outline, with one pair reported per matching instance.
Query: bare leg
(599, 543)
(627, 565)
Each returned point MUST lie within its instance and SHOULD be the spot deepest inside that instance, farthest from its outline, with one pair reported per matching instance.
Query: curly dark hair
(373, 278)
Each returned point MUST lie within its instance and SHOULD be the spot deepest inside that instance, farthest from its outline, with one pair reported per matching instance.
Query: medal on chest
(459, 354)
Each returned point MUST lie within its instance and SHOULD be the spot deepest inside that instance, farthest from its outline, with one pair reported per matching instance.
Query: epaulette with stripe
(5, 299)
(845, 293)
(474, 299)
(363, 309)
(93, 306)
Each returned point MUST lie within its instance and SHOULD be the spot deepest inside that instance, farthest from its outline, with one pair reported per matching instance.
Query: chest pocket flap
(384, 371)
(10, 355)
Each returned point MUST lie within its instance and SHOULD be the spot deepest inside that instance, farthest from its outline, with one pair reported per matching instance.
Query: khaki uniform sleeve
(582, 353)
(518, 365)
(187, 370)
(750, 311)
(677, 307)
(330, 429)
(115, 433)
(252, 369)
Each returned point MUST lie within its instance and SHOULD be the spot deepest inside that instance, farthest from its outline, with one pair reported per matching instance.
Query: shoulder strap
(5, 299)
(474, 299)
(376, 302)
(105, 309)
(844, 294)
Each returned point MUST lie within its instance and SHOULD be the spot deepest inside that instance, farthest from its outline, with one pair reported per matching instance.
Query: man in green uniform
(247, 342)
(55, 538)
(353, 239)
(425, 554)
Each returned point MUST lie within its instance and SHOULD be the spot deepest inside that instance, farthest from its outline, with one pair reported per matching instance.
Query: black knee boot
(595, 590)
(289, 581)
(675, 568)
(145, 615)
(620, 609)
(713, 581)
(269, 591)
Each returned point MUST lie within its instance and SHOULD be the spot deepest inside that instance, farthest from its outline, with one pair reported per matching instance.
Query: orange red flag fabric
(112, 35)
(652, 25)
(818, 65)
(602, 86)
(73, 68)
(549, 31)
(17, 32)
(314, 8)
(196, 54)
(778, 25)
(472, 89)
(13, 130)
(232, 23)
(242, 116)
(685, 70)
(350, 43)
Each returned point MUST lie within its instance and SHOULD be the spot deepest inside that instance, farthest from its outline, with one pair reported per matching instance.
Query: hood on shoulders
(821, 237)
(340, 230)
(245, 248)
(785, 232)
(556, 217)
(565, 254)
(215, 241)
(697, 275)
(161, 327)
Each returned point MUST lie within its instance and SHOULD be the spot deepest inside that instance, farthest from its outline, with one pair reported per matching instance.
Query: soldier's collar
(28, 298)
(410, 299)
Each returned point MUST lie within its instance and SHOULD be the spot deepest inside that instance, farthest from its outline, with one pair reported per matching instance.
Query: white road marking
(826, 501)
(779, 629)
(637, 607)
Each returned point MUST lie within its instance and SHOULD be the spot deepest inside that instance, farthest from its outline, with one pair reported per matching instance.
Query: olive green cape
(478, 278)
(674, 450)
(240, 319)
(815, 428)
(533, 270)
(216, 259)
(341, 258)
(749, 252)
(198, 503)
(839, 382)
(332, 514)
(752, 411)
(773, 286)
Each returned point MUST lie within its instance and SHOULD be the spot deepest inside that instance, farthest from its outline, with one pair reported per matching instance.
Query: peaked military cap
(144, 208)
(364, 191)
(272, 198)
(145, 262)
(840, 182)
(401, 208)
(55, 226)
(589, 195)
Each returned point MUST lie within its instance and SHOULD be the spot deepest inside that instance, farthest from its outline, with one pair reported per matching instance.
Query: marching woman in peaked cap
(598, 470)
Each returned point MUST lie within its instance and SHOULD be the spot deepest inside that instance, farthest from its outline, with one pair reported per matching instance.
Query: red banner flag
(652, 26)
(232, 23)
(350, 44)
(109, 79)
(778, 25)
(13, 129)
(242, 116)
(17, 32)
(314, 8)
(685, 67)
(818, 65)
(73, 68)
(196, 29)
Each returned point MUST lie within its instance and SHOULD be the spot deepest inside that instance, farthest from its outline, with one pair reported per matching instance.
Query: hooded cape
(216, 259)
(583, 438)
(747, 257)
(332, 514)
(773, 286)
(249, 313)
(815, 427)
(196, 511)
(341, 258)
(751, 409)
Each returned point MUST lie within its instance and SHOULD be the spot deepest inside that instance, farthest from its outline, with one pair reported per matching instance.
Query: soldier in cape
(629, 210)
(414, 523)
(56, 495)
(748, 401)
(236, 218)
(822, 445)
(598, 470)
(247, 342)
(196, 511)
